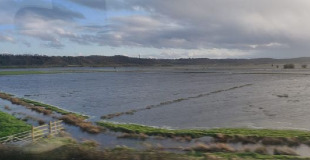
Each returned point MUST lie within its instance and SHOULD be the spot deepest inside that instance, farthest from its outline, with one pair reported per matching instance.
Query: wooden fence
(34, 134)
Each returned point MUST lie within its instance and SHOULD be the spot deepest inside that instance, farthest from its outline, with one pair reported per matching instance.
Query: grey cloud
(53, 44)
(231, 24)
(48, 14)
(9, 8)
(5, 38)
(195, 24)
(264, 27)
(28, 44)
(98, 4)
(50, 25)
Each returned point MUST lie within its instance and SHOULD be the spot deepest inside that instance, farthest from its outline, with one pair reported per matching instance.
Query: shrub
(289, 66)
(7, 108)
(79, 121)
(304, 66)
(218, 147)
(261, 150)
(284, 151)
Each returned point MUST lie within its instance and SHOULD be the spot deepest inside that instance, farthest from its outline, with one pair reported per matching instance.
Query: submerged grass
(252, 156)
(133, 111)
(10, 125)
(24, 72)
(7, 73)
(27, 72)
(197, 133)
(79, 121)
(37, 106)
(68, 148)
(52, 108)
(46, 109)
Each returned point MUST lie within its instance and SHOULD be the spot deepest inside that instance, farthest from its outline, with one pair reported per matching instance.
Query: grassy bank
(37, 106)
(67, 116)
(10, 125)
(28, 72)
(2, 73)
(247, 156)
(66, 148)
(197, 133)
(52, 108)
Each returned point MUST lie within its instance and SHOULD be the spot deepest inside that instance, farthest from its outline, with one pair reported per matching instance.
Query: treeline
(9, 60)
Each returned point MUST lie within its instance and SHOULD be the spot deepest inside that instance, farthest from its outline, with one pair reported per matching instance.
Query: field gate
(36, 133)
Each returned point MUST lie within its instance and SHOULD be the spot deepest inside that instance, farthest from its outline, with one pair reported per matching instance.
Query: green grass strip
(10, 125)
(250, 156)
(52, 108)
(27, 72)
(197, 133)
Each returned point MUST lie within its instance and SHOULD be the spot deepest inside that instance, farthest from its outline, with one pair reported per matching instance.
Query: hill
(9, 60)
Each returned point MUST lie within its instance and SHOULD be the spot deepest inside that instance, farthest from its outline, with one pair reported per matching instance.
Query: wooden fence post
(32, 133)
(55, 127)
(50, 128)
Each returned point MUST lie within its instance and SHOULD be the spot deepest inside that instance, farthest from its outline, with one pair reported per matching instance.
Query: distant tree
(289, 66)
(304, 66)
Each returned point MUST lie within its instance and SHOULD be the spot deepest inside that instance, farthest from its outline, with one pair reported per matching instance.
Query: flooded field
(172, 98)
(176, 98)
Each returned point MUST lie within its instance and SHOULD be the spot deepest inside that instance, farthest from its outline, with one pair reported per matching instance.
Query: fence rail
(36, 133)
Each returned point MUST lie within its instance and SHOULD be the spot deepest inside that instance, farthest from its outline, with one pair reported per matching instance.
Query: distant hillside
(8, 60)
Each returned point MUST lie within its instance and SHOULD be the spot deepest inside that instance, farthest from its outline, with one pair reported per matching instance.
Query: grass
(10, 125)
(37, 106)
(284, 151)
(288, 66)
(52, 108)
(140, 136)
(7, 73)
(28, 72)
(79, 121)
(219, 147)
(64, 149)
(252, 156)
(46, 109)
(2, 73)
(197, 133)
(131, 112)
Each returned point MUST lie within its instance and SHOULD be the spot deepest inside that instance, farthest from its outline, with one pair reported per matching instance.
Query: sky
(157, 28)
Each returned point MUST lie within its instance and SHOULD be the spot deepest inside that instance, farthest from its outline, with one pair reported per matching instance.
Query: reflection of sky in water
(98, 94)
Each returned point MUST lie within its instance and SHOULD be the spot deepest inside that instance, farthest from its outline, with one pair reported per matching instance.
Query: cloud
(97, 4)
(4, 38)
(215, 53)
(272, 28)
(53, 44)
(48, 25)
(48, 14)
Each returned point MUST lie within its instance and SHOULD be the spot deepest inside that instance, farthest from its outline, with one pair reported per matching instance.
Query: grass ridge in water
(197, 133)
(250, 156)
(23, 101)
(53, 108)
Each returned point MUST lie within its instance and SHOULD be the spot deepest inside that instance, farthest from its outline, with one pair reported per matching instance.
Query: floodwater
(197, 99)
(176, 98)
